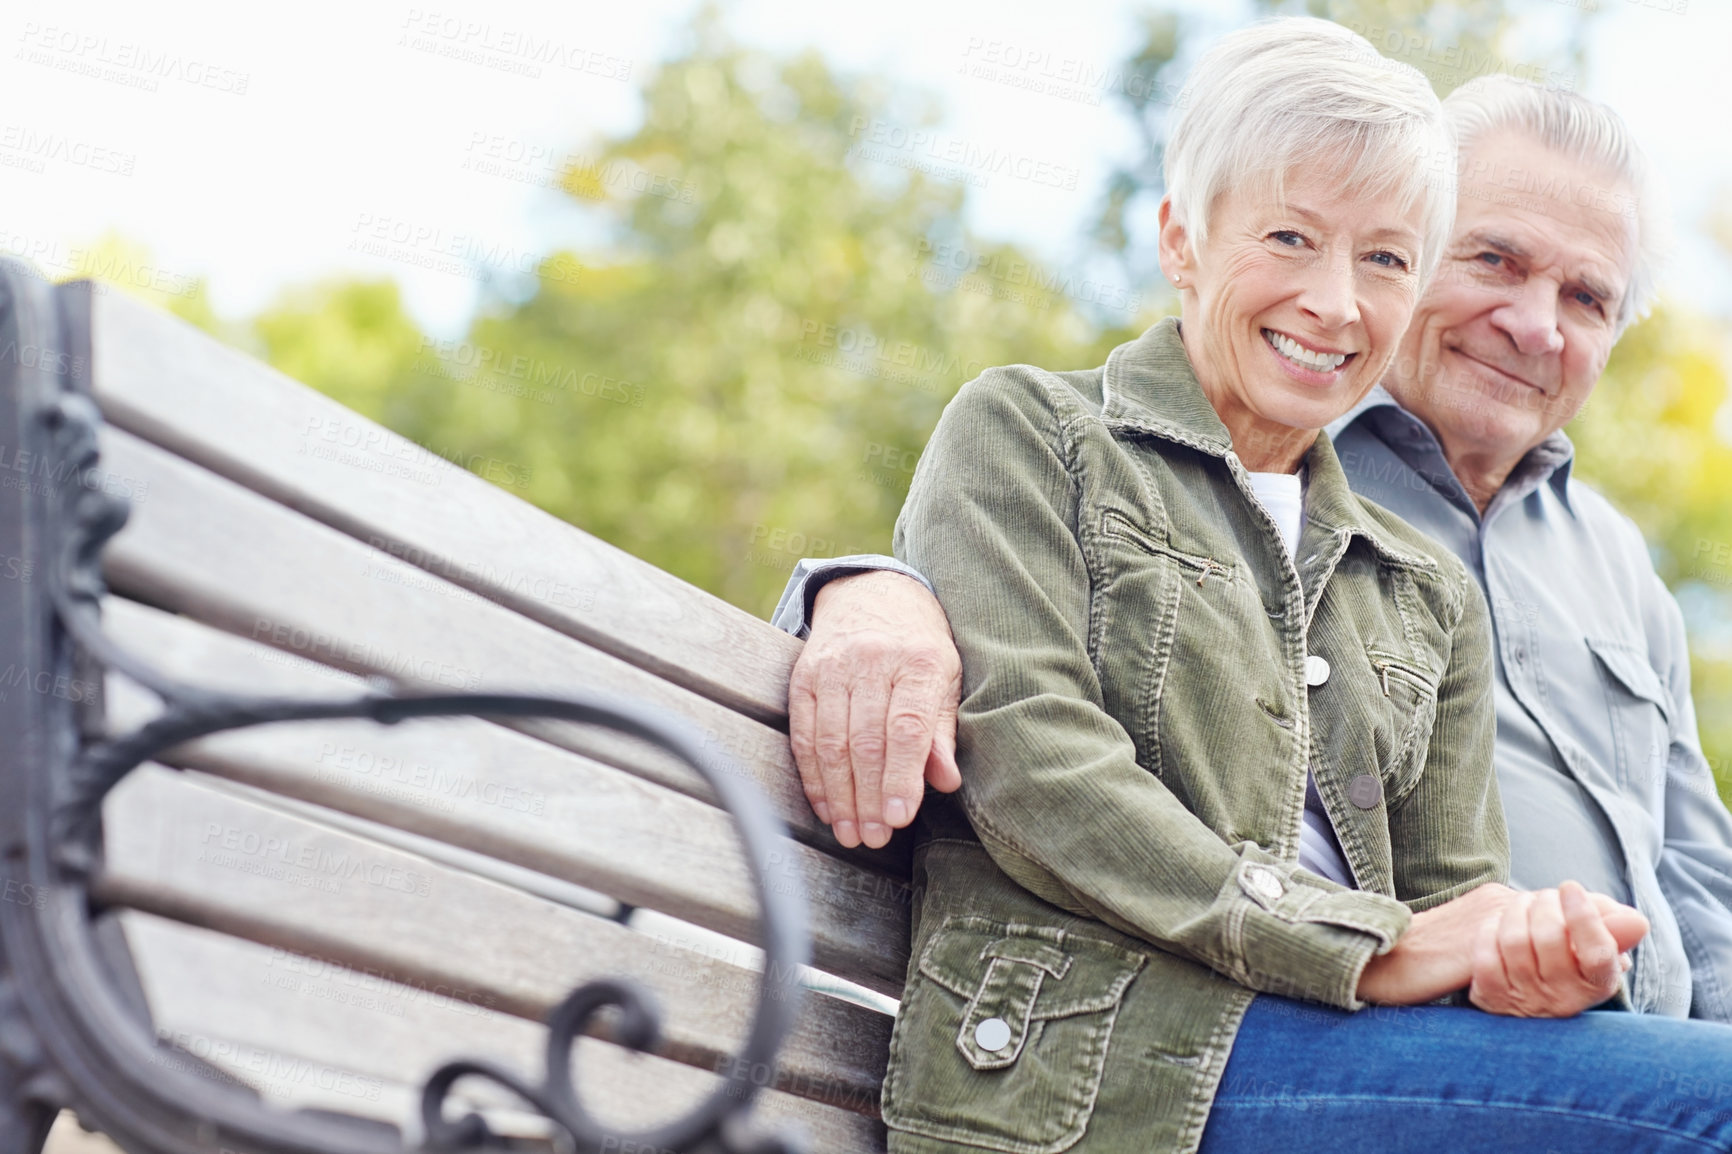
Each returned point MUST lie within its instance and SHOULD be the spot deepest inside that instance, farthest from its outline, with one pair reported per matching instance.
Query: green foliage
(750, 371)
(353, 341)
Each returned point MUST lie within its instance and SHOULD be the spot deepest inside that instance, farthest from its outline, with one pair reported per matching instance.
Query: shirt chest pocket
(1002, 1037)
(1639, 709)
(1404, 710)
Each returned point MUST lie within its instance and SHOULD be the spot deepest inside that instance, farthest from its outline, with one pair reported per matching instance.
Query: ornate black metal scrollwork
(93, 1052)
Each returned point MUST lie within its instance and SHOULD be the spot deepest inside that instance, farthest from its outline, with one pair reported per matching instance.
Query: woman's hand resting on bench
(1546, 954)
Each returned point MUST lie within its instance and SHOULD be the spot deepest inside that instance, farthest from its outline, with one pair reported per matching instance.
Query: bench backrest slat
(206, 547)
(164, 380)
(282, 544)
(483, 787)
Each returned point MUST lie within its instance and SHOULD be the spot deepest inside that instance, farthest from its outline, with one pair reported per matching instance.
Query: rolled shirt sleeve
(794, 611)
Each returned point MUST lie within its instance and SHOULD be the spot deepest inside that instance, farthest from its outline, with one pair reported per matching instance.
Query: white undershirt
(1283, 495)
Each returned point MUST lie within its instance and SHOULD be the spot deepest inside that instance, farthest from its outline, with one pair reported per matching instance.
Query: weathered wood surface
(202, 984)
(308, 548)
(193, 853)
(171, 384)
(217, 552)
(206, 547)
(486, 788)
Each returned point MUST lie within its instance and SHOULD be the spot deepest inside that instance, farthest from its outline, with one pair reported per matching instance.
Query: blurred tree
(749, 374)
(353, 340)
(746, 373)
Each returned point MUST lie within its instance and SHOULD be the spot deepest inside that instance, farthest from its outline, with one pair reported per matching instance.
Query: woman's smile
(1306, 362)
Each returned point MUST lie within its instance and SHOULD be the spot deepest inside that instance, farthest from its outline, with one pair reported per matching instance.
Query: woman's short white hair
(1584, 130)
(1297, 90)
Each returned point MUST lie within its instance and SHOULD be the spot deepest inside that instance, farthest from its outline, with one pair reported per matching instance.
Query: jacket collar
(1150, 388)
(1332, 507)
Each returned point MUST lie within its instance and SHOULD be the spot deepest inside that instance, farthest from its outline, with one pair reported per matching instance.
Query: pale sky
(261, 148)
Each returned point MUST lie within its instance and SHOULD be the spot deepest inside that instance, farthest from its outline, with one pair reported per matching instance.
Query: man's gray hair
(1584, 130)
(1298, 90)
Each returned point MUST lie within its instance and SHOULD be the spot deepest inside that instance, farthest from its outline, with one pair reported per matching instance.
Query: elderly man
(1599, 765)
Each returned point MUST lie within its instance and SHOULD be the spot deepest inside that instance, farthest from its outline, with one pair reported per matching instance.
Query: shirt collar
(1150, 388)
(1550, 460)
(1413, 441)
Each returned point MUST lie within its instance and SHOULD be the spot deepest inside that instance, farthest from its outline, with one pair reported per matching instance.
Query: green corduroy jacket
(1117, 877)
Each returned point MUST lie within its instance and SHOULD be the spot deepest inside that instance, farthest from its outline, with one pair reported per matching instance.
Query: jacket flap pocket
(1081, 974)
(1629, 668)
(1030, 952)
(995, 1025)
(1099, 973)
(1015, 975)
(955, 957)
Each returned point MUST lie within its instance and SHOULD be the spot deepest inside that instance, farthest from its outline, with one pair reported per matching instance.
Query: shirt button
(1316, 670)
(992, 1035)
(1365, 791)
(1521, 655)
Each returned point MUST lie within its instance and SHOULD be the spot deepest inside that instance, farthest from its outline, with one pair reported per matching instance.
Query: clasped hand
(1544, 954)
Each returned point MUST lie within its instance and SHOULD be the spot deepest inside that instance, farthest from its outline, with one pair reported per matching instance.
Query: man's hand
(1553, 953)
(1550, 954)
(872, 704)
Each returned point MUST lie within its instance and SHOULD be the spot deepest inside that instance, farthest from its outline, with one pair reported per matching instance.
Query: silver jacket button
(1265, 882)
(1365, 791)
(1316, 670)
(992, 1035)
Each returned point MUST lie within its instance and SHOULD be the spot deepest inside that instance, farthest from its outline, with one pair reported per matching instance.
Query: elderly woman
(1226, 728)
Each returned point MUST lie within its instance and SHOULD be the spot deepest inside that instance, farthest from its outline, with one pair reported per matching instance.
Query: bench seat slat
(483, 787)
(206, 984)
(159, 377)
(188, 851)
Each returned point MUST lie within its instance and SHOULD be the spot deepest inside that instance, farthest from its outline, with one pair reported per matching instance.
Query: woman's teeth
(1300, 355)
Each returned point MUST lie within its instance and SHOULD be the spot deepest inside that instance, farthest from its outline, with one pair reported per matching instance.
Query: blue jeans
(1391, 1079)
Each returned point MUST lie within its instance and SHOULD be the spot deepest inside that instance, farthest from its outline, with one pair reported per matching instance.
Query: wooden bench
(327, 911)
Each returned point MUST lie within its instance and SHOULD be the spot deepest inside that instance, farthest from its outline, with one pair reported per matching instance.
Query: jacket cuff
(1338, 932)
(794, 611)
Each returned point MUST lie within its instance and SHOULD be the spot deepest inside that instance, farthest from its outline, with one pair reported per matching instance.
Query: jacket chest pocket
(1164, 616)
(1002, 1036)
(1640, 711)
(1404, 704)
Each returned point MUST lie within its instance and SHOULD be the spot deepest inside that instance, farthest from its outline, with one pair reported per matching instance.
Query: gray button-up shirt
(1601, 772)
